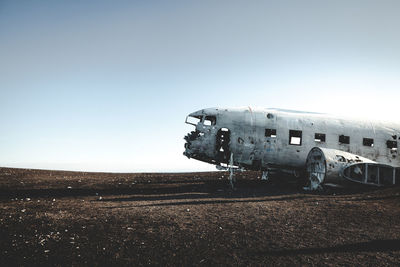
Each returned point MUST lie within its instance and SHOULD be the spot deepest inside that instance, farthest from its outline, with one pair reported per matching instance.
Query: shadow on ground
(370, 246)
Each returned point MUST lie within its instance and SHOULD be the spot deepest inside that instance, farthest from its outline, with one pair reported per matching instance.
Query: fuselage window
(210, 120)
(295, 137)
(343, 139)
(391, 144)
(193, 120)
(368, 142)
(270, 132)
(320, 138)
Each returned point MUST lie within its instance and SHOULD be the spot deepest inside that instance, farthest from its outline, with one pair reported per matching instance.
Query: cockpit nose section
(200, 143)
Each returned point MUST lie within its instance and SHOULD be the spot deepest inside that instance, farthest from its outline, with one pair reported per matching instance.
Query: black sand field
(78, 218)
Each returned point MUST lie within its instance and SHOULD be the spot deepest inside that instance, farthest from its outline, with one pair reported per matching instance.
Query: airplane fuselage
(265, 138)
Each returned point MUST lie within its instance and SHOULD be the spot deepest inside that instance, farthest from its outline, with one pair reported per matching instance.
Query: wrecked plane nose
(187, 145)
(201, 142)
(186, 154)
(188, 138)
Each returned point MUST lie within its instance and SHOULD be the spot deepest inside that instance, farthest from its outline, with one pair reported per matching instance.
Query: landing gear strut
(232, 179)
(265, 176)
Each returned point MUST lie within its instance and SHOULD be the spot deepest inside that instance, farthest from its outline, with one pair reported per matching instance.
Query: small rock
(23, 210)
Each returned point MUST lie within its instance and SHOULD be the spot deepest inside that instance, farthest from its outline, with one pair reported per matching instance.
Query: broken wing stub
(324, 164)
(372, 174)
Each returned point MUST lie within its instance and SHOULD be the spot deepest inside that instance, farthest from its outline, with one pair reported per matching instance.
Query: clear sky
(106, 85)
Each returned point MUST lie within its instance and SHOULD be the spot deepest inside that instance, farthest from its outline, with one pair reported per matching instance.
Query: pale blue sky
(106, 85)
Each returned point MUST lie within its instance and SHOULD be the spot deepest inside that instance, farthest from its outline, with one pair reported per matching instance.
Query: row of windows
(295, 138)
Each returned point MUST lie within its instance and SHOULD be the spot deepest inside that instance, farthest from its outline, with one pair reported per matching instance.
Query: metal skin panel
(252, 150)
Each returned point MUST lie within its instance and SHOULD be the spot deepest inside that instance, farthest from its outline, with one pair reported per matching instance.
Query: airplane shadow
(381, 245)
(187, 189)
(177, 190)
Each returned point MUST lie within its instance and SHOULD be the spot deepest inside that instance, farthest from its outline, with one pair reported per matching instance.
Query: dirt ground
(80, 218)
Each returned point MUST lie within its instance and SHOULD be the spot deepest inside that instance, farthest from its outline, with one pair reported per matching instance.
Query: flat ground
(80, 218)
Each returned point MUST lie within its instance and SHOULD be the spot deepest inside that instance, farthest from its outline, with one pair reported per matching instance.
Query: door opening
(222, 145)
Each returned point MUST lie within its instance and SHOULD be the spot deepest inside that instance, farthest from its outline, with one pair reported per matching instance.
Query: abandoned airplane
(322, 147)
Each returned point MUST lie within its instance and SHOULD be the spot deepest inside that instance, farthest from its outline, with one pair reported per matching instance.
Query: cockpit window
(210, 120)
(193, 120)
